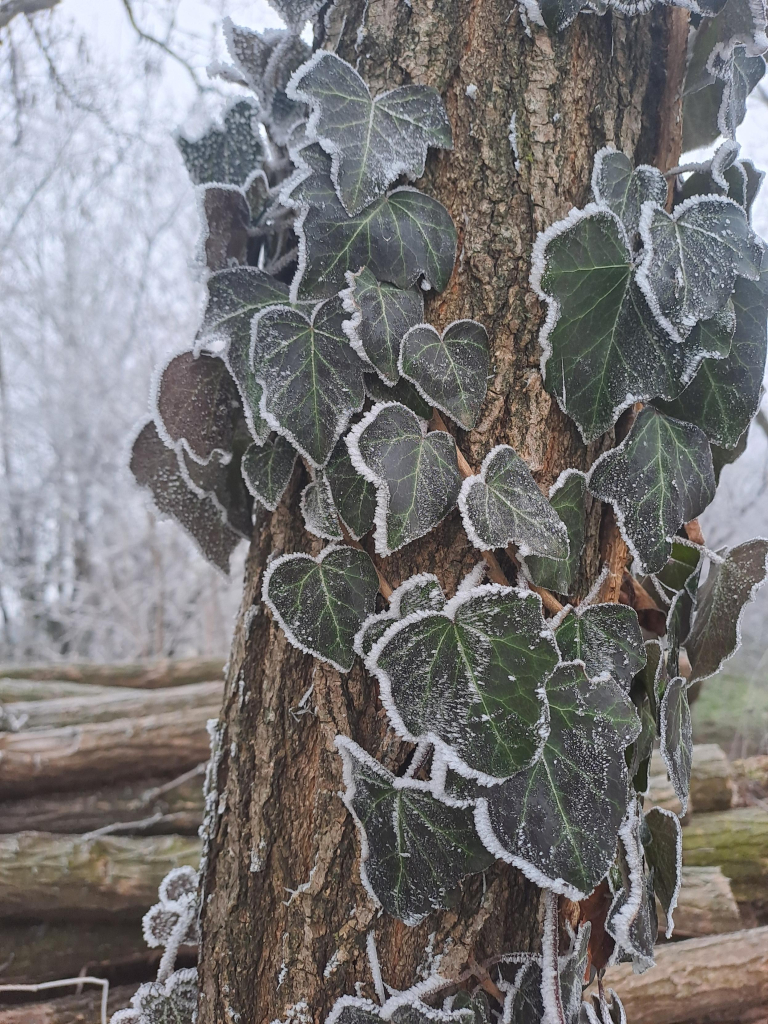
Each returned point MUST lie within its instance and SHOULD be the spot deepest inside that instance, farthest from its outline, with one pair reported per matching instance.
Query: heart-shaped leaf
(320, 603)
(226, 155)
(381, 316)
(419, 593)
(318, 509)
(450, 369)
(226, 221)
(221, 481)
(624, 188)
(267, 470)
(470, 678)
(659, 477)
(371, 141)
(607, 638)
(156, 467)
(403, 392)
(353, 495)
(173, 1001)
(567, 496)
(558, 821)
(664, 854)
(602, 348)
(503, 505)
(692, 259)
(415, 848)
(676, 736)
(415, 473)
(312, 380)
(729, 587)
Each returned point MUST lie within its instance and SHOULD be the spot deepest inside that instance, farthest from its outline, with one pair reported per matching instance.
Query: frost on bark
(285, 918)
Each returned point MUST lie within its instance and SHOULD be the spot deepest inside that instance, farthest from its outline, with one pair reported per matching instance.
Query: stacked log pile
(101, 774)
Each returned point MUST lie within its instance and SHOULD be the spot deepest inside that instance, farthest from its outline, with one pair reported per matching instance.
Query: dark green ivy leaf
(677, 737)
(415, 473)
(664, 855)
(658, 478)
(415, 849)
(607, 638)
(631, 920)
(403, 392)
(267, 470)
(418, 593)
(567, 496)
(558, 821)
(450, 370)
(729, 587)
(470, 678)
(353, 496)
(320, 603)
(381, 317)
(318, 509)
(312, 380)
(558, 14)
(371, 141)
(624, 188)
(722, 457)
(679, 618)
(226, 155)
(220, 479)
(503, 505)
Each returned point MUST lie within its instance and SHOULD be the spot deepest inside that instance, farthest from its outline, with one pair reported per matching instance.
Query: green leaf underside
(659, 477)
(353, 495)
(197, 401)
(558, 820)
(449, 370)
(373, 141)
(663, 854)
(156, 467)
(418, 848)
(381, 317)
(318, 510)
(267, 470)
(676, 737)
(606, 350)
(503, 505)
(416, 474)
(312, 379)
(225, 156)
(725, 393)
(624, 189)
(403, 392)
(567, 498)
(321, 603)
(471, 678)
(721, 599)
(607, 638)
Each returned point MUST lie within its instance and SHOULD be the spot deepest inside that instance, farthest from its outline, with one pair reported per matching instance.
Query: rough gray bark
(284, 916)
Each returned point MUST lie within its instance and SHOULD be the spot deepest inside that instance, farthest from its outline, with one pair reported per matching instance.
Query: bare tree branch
(11, 8)
(165, 48)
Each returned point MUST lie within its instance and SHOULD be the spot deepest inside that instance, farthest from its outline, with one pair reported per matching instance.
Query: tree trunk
(285, 917)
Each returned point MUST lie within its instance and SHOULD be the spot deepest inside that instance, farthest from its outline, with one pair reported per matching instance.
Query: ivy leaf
(558, 821)
(381, 316)
(692, 259)
(731, 584)
(401, 238)
(371, 141)
(602, 348)
(631, 920)
(503, 505)
(198, 405)
(403, 392)
(352, 1010)
(683, 561)
(715, 102)
(320, 603)
(722, 457)
(226, 155)
(556, 14)
(676, 737)
(679, 620)
(624, 189)
(267, 470)
(470, 678)
(221, 481)
(353, 496)
(664, 854)
(312, 380)
(156, 467)
(450, 370)
(414, 849)
(567, 496)
(658, 478)
(418, 593)
(607, 638)
(226, 219)
(318, 509)
(652, 678)
(725, 393)
(173, 1001)
(600, 1011)
(415, 473)
(740, 75)
(725, 175)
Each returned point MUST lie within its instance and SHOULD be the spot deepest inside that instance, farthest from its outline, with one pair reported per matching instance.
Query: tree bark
(284, 916)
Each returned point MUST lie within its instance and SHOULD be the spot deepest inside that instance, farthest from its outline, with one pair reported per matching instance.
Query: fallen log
(737, 841)
(50, 760)
(751, 778)
(111, 704)
(705, 906)
(175, 808)
(73, 1009)
(712, 786)
(12, 690)
(714, 980)
(52, 877)
(145, 675)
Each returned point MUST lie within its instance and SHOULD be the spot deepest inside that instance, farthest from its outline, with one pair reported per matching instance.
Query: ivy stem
(495, 572)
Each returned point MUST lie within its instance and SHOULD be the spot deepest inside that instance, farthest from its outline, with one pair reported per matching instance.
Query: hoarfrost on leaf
(664, 855)
(567, 496)
(631, 920)
(607, 638)
(226, 155)
(418, 593)
(353, 495)
(318, 509)
(320, 603)
(267, 470)
(371, 141)
(403, 392)
(471, 679)
(624, 188)
(171, 1002)
(676, 737)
